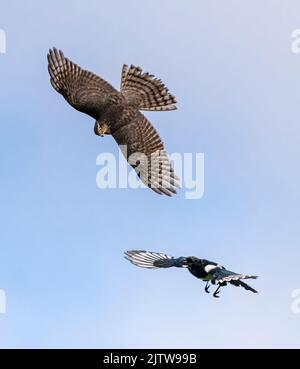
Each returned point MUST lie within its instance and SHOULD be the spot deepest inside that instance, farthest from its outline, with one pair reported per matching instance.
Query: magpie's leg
(216, 293)
(207, 287)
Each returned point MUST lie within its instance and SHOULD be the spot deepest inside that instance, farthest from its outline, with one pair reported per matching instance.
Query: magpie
(208, 271)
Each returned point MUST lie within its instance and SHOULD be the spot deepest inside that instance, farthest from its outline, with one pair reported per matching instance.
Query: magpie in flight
(206, 270)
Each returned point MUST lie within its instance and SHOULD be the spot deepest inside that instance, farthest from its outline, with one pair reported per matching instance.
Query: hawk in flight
(206, 270)
(118, 113)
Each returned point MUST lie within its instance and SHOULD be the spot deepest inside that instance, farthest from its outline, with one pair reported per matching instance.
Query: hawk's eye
(136, 164)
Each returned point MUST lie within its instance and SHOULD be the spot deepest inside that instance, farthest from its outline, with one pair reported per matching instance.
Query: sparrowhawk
(118, 113)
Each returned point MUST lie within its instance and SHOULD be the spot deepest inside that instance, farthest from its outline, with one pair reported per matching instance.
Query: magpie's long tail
(152, 260)
(240, 283)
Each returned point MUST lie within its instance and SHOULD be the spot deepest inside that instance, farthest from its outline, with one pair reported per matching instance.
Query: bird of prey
(206, 270)
(118, 113)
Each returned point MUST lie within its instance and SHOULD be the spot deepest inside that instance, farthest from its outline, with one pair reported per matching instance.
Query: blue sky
(237, 82)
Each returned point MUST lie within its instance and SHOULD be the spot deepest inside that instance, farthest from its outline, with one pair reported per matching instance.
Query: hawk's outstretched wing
(152, 260)
(82, 89)
(221, 275)
(144, 150)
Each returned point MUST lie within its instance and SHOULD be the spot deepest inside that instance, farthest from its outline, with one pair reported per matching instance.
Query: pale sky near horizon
(237, 83)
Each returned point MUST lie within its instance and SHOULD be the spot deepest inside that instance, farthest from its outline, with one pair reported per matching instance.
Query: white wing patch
(210, 267)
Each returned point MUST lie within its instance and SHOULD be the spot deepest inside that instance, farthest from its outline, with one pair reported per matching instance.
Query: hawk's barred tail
(153, 94)
(150, 260)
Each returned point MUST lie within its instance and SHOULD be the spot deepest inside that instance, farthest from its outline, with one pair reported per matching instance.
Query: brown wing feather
(145, 91)
(82, 89)
(144, 150)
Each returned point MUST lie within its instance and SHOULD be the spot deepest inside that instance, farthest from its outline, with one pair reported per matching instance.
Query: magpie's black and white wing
(152, 260)
(223, 276)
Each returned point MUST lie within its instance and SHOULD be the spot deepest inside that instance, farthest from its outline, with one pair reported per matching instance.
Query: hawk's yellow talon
(102, 129)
